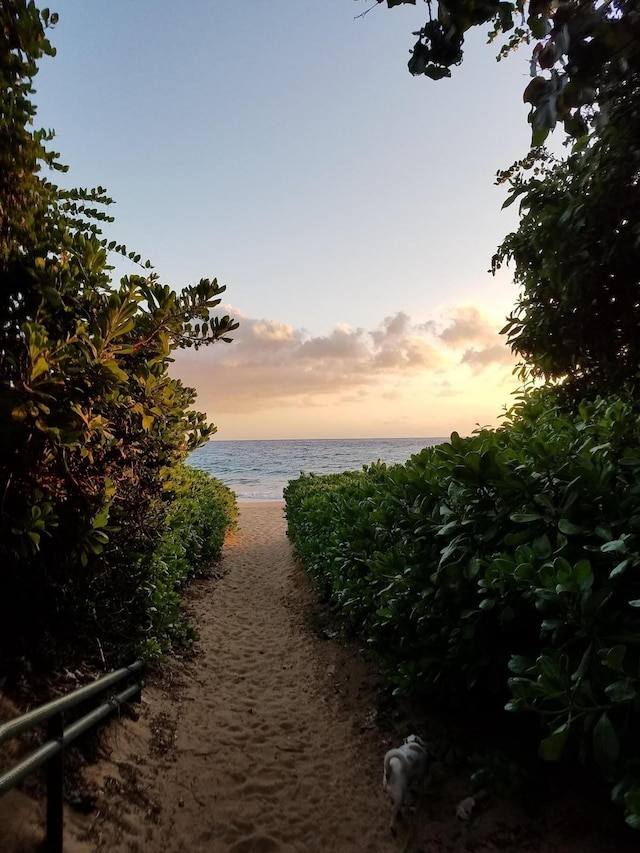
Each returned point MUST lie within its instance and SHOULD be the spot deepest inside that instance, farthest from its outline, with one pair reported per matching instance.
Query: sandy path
(258, 743)
(262, 740)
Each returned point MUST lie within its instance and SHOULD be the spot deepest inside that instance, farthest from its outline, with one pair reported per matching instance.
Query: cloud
(390, 328)
(478, 359)
(272, 331)
(343, 343)
(274, 364)
(477, 336)
(468, 326)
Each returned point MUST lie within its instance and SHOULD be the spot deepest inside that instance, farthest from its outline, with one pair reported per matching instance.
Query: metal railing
(52, 752)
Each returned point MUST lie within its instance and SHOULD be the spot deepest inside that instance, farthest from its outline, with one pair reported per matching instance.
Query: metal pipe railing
(64, 703)
(51, 752)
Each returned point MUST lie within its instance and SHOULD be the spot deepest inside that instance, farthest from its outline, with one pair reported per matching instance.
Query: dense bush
(92, 426)
(505, 564)
(202, 510)
(577, 316)
(127, 600)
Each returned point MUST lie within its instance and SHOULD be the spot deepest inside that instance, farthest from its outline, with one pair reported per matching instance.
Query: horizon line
(343, 438)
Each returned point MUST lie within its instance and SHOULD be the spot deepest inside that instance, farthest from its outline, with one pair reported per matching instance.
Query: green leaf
(513, 539)
(614, 656)
(621, 691)
(520, 664)
(606, 746)
(567, 527)
(539, 25)
(632, 806)
(552, 747)
(101, 519)
(40, 366)
(525, 572)
(524, 517)
(582, 574)
(510, 199)
(633, 820)
(620, 568)
(542, 547)
(112, 367)
(538, 136)
(617, 545)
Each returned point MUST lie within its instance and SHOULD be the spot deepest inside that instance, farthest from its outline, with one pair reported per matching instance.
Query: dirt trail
(249, 747)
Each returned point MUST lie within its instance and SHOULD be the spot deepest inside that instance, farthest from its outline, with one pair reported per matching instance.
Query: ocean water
(259, 470)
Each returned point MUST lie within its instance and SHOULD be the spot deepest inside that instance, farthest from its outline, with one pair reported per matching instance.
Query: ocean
(259, 470)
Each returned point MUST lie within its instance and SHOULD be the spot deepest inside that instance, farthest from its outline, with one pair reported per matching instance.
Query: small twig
(290, 748)
(104, 663)
(366, 11)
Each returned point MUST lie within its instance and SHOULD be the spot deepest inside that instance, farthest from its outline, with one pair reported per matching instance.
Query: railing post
(55, 773)
(51, 752)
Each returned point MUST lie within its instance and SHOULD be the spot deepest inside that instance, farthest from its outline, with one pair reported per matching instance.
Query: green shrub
(505, 564)
(91, 422)
(201, 511)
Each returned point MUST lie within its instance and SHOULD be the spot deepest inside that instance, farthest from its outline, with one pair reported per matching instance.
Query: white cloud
(468, 325)
(270, 330)
(271, 364)
(480, 358)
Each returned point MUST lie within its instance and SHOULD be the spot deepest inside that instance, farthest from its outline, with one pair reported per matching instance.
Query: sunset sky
(349, 208)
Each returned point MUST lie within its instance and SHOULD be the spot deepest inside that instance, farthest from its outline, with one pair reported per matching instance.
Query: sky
(349, 208)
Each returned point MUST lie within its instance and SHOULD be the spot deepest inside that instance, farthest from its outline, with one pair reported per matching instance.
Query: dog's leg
(398, 791)
(393, 826)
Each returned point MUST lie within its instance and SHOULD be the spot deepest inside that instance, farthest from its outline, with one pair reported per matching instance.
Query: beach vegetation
(576, 254)
(504, 567)
(505, 564)
(100, 520)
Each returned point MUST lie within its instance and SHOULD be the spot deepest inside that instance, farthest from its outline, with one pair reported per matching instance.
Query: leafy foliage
(201, 511)
(576, 256)
(92, 426)
(505, 565)
(581, 49)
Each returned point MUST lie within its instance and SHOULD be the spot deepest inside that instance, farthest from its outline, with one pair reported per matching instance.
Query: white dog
(403, 766)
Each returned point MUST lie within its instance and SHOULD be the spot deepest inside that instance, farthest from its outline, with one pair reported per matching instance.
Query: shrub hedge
(200, 512)
(505, 564)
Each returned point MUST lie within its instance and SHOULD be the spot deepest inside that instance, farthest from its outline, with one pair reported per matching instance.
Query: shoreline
(257, 502)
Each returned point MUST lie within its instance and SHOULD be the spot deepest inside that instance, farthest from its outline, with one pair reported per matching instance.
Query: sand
(248, 746)
(264, 739)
